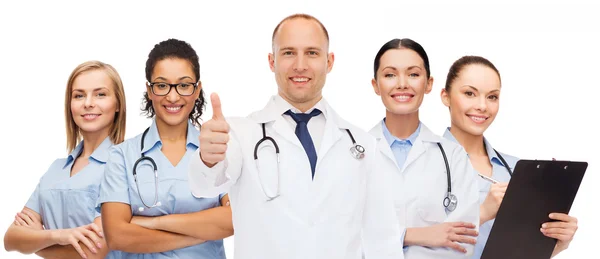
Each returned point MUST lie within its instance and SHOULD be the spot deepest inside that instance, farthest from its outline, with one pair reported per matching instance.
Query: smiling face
(300, 61)
(402, 81)
(173, 109)
(93, 102)
(473, 99)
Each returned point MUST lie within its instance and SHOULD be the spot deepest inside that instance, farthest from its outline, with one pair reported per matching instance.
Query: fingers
(560, 237)
(89, 233)
(562, 217)
(461, 224)
(26, 218)
(455, 246)
(463, 239)
(19, 220)
(17, 223)
(78, 248)
(96, 229)
(81, 237)
(216, 105)
(466, 231)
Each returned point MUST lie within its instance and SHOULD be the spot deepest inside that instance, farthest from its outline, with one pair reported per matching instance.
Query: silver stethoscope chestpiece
(357, 151)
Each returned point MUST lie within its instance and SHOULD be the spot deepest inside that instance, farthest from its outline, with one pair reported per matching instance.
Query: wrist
(53, 236)
(484, 215)
(413, 236)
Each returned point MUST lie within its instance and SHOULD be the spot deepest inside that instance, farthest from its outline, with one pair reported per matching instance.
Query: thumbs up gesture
(214, 135)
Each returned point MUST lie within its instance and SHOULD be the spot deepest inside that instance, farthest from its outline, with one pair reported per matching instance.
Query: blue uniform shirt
(174, 192)
(400, 147)
(499, 173)
(69, 202)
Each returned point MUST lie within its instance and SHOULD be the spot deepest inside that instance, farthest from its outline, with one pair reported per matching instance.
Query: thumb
(216, 105)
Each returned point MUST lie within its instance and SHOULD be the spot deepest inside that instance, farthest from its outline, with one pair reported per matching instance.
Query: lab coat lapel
(331, 135)
(382, 144)
(273, 113)
(420, 146)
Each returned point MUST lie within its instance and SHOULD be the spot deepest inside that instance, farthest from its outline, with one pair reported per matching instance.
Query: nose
(481, 104)
(402, 82)
(173, 96)
(301, 64)
(89, 101)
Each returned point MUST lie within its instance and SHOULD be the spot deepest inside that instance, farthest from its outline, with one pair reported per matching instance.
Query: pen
(489, 179)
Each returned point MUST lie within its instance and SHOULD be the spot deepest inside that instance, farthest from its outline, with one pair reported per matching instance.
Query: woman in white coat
(472, 94)
(435, 190)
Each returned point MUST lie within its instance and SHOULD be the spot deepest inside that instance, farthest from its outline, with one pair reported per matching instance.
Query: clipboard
(536, 189)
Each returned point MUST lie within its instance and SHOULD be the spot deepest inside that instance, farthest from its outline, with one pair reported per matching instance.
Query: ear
(197, 93)
(330, 59)
(272, 62)
(429, 85)
(148, 90)
(375, 86)
(445, 97)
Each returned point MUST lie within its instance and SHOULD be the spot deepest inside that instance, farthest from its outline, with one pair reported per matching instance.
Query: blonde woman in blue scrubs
(148, 215)
(472, 93)
(414, 153)
(59, 220)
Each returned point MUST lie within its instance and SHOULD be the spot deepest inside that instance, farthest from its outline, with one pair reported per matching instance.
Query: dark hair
(301, 16)
(405, 43)
(461, 63)
(173, 48)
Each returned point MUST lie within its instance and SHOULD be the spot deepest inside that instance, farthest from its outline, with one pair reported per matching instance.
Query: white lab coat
(321, 218)
(421, 185)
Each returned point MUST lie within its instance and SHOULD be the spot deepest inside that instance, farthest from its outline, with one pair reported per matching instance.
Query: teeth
(90, 116)
(301, 79)
(173, 109)
(402, 97)
(477, 119)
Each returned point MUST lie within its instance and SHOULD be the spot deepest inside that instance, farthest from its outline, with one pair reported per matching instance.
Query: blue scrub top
(174, 193)
(69, 202)
(499, 173)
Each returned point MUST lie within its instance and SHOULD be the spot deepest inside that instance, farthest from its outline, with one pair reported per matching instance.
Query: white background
(547, 53)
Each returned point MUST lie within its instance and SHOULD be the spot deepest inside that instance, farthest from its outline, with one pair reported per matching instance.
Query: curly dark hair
(173, 48)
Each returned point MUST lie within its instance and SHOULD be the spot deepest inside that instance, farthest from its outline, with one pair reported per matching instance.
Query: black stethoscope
(357, 151)
(156, 203)
(450, 200)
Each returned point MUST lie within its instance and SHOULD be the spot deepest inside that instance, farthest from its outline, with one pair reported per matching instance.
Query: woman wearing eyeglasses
(148, 209)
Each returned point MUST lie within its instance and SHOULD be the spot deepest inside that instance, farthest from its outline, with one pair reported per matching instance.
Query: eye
(389, 75)
(469, 93)
(493, 97)
(414, 75)
(101, 94)
(287, 53)
(184, 86)
(313, 53)
(161, 86)
(77, 96)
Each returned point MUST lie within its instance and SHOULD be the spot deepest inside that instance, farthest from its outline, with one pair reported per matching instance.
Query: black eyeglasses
(183, 89)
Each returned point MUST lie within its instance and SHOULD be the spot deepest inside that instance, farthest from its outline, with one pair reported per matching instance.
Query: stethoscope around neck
(450, 200)
(156, 203)
(357, 151)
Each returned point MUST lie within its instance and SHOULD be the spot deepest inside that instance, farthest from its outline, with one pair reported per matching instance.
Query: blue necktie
(304, 136)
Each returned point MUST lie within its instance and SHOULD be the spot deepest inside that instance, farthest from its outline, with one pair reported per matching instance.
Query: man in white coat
(303, 182)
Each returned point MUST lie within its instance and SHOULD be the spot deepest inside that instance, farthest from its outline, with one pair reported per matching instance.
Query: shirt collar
(391, 138)
(152, 138)
(494, 159)
(100, 154)
(282, 106)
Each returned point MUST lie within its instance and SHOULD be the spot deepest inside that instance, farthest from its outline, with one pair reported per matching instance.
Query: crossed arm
(164, 233)
(27, 235)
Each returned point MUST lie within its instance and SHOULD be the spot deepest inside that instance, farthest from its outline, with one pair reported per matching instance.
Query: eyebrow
(164, 79)
(95, 89)
(477, 90)
(394, 68)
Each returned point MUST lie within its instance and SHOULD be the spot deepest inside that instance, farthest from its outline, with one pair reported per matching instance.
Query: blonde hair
(117, 129)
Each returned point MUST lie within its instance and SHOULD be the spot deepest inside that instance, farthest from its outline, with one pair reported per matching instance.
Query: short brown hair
(117, 129)
(299, 16)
